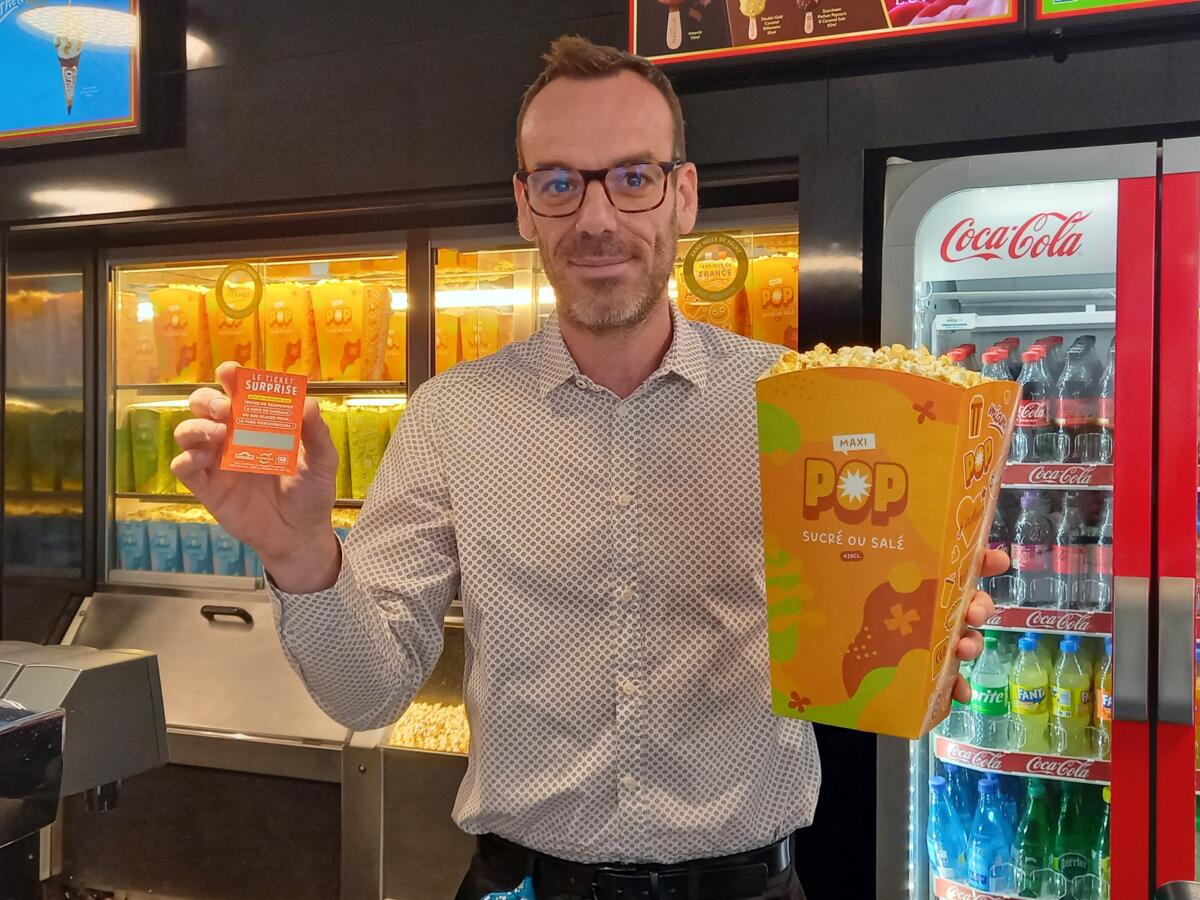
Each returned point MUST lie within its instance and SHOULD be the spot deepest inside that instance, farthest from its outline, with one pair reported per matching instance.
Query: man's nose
(596, 215)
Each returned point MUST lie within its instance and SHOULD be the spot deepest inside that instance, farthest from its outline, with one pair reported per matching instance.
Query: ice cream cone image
(69, 50)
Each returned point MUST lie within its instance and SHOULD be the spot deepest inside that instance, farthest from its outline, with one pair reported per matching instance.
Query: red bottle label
(1106, 413)
(1075, 412)
(1030, 557)
(1102, 559)
(1069, 560)
(1033, 414)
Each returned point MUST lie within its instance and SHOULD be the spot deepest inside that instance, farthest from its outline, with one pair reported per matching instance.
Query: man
(591, 495)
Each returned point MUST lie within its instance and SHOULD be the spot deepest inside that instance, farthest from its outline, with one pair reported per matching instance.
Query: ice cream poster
(68, 69)
(678, 30)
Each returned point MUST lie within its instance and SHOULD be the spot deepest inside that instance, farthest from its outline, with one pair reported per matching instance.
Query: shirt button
(624, 498)
(621, 411)
(624, 594)
(628, 688)
(629, 783)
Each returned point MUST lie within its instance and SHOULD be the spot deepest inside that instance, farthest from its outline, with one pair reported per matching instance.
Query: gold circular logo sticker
(715, 268)
(241, 311)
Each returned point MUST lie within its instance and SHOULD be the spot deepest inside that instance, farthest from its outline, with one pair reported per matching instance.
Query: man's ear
(687, 197)
(524, 215)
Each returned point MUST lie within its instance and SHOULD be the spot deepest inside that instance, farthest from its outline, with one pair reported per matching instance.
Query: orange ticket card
(264, 423)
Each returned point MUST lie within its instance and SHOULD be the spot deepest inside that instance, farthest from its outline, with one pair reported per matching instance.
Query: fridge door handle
(1176, 649)
(1131, 643)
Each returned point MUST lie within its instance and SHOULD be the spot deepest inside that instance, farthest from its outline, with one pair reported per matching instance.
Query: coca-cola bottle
(1106, 414)
(999, 538)
(1070, 555)
(1032, 536)
(970, 361)
(1033, 412)
(1013, 346)
(1054, 354)
(1092, 359)
(1098, 592)
(995, 364)
(958, 357)
(1076, 405)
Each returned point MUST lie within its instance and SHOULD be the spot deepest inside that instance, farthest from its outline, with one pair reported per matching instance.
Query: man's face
(609, 268)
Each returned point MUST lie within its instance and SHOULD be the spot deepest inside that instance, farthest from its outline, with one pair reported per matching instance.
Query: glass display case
(44, 421)
(744, 279)
(339, 319)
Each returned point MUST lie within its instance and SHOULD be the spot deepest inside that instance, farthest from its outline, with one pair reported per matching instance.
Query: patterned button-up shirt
(608, 555)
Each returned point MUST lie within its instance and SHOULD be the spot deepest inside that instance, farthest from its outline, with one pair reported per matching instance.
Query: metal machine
(72, 720)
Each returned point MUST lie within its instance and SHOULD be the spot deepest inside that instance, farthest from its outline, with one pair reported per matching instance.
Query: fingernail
(218, 407)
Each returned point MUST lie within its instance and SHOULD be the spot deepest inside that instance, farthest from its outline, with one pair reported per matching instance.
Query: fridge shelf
(945, 889)
(316, 388)
(184, 580)
(1051, 621)
(189, 499)
(1034, 765)
(1059, 476)
(45, 391)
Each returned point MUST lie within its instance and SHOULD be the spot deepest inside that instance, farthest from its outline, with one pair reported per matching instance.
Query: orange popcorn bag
(880, 471)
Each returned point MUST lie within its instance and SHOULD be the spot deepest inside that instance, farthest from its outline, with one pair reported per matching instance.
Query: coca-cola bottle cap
(1032, 355)
(1052, 339)
(993, 356)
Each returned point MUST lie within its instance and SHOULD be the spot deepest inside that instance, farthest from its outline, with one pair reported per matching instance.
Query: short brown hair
(572, 56)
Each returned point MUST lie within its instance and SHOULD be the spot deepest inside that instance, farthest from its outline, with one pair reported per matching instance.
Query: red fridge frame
(1132, 518)
(1179, 296)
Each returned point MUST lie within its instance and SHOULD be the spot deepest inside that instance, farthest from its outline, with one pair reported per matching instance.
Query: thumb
(319, 450)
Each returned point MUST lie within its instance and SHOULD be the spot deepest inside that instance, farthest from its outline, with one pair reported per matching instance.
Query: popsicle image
(752, 9)
(674, 24)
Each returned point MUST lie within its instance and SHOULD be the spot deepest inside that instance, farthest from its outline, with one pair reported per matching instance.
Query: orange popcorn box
(352, 323)
(181, 334)
(878, 488)
(289, 330)
(233, 339)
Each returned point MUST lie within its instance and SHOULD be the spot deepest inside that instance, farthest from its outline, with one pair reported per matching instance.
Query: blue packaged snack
(226, 553)
(250, 558)
(197, 549)
(133, 546)
(165, 553)
(523, 892)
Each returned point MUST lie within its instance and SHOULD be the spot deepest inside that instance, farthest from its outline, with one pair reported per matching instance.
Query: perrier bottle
(1031, 847)
(1073, 844)
(1100, 856)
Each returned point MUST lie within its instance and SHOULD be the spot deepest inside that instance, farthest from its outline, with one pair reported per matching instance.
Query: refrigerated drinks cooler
(1064, 266)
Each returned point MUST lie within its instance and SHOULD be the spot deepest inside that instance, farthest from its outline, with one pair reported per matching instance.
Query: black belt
(720, 878)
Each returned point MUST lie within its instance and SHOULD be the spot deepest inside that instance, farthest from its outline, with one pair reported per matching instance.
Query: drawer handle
(236, 612)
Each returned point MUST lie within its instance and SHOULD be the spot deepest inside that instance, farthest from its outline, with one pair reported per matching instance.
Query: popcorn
(433, 726)
(897, 357)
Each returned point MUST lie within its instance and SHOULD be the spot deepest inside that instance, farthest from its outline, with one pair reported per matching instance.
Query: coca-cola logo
(1073, 475)
(1059, 767)
(958, 892)
(975, 757)
(1048, 234)
(1061, 621)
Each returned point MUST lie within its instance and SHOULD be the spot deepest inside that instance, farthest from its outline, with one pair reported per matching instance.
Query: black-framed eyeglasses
(556, 192)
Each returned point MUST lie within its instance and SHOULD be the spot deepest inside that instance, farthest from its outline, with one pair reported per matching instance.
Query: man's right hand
(287, 520)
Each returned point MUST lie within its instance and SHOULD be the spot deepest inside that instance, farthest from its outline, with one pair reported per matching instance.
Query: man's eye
(634, 179)
(560, 185)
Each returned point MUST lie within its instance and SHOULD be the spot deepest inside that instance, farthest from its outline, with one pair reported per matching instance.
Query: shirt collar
(685, 357)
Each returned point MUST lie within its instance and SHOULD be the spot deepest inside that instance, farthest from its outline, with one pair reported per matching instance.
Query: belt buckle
(625, 870)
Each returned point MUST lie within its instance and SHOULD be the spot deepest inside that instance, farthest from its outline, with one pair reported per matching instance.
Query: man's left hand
(995, 562)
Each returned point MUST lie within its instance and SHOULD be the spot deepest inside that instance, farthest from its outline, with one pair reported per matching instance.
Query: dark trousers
(484, 878)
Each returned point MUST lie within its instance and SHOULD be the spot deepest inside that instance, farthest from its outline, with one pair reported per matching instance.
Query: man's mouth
(601, 265)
